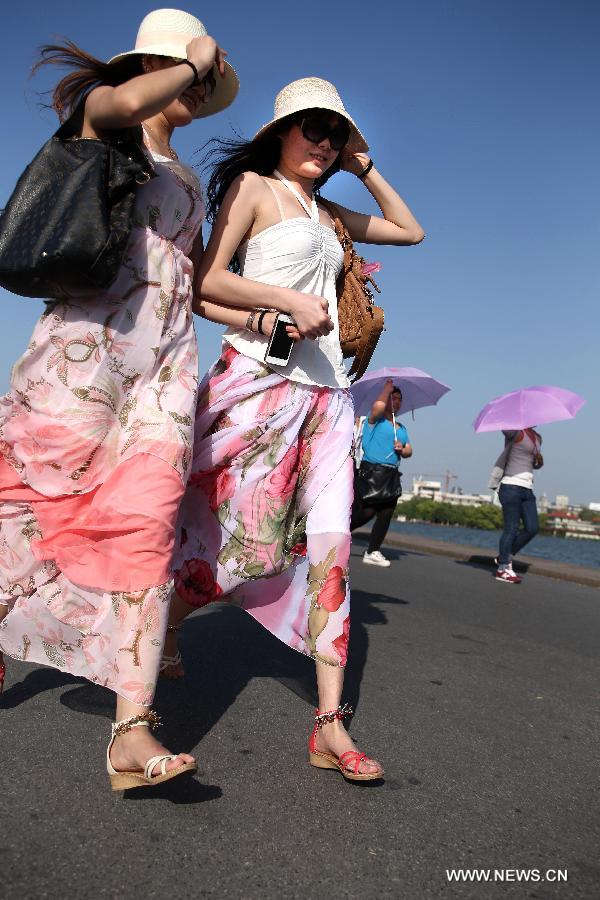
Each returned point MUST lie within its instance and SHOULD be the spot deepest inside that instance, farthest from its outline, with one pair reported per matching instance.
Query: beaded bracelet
(250, 321)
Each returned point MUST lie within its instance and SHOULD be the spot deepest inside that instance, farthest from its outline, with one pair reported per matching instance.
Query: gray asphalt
(480, 698)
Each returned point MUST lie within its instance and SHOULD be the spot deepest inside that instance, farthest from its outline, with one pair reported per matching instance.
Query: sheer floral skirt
(264, 523)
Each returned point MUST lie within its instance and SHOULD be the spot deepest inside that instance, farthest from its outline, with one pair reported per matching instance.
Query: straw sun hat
(166, 32)
(313, 93)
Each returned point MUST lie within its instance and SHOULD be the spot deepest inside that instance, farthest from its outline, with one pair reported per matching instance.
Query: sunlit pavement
(480, 698)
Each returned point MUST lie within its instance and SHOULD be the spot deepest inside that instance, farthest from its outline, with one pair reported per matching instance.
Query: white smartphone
(279, 348)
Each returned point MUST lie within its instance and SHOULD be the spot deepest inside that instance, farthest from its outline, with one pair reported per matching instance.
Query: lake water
(570, 550)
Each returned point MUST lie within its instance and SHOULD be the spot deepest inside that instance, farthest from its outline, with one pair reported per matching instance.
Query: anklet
(149, 719)
(331, 715)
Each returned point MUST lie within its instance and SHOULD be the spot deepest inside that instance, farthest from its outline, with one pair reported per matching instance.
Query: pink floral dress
(96, 440)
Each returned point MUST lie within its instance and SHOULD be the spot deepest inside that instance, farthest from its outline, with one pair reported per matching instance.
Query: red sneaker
(508, 575)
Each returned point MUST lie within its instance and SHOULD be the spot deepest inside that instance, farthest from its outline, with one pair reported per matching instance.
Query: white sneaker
(375, 559)
(508, 576)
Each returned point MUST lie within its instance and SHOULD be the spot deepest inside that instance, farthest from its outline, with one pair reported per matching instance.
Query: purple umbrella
(528, 407)
(418, 389)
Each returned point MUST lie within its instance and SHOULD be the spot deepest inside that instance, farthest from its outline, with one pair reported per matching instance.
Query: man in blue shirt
(384, 443)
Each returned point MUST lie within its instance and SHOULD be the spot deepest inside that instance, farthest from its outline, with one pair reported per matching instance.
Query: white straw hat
(166, 32)
(313, 93)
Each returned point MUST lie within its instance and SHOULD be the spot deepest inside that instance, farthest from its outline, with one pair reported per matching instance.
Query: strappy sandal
(349, 762)
(135, 778)
(167, 661)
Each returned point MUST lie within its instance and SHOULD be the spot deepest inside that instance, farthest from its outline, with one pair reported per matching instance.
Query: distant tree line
(486, 517)
(589, 515)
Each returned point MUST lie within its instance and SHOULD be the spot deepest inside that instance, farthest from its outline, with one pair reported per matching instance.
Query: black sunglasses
(316, 128)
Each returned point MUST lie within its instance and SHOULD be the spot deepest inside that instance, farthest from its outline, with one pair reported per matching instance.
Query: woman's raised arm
(146, 95)
(396, 225)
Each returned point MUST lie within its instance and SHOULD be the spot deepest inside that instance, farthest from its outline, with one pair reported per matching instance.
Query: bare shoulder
(246, 188)
(247, 182)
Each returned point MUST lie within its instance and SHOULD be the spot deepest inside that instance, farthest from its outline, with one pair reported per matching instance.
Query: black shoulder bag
(66, 226)
(377, 484)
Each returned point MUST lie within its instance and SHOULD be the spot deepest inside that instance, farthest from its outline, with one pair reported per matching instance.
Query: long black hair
(88, 73)
(232, 158)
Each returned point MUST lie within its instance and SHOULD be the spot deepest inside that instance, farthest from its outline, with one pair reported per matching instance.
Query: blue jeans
(517, 503)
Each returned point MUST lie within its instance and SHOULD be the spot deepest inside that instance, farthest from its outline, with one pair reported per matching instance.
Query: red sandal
(2, 676)
(349, 762)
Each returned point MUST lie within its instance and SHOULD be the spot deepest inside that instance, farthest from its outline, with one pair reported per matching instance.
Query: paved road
(481, 698)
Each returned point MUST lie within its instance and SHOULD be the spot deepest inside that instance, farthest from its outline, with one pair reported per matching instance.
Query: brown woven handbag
(361, 320)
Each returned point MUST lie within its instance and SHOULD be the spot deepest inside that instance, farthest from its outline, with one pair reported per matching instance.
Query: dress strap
(276, 195)
(312, 213)
(146, 136)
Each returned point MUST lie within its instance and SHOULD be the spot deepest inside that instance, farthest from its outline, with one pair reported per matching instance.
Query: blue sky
(484, 115)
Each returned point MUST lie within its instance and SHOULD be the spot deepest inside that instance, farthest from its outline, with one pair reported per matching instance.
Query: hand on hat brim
(353, 162)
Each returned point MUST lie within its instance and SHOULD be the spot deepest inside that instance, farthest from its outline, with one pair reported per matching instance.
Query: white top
(519, 466)
(303, 254)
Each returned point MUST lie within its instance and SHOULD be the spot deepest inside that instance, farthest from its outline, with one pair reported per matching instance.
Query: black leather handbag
(376, 484)
(66, 226)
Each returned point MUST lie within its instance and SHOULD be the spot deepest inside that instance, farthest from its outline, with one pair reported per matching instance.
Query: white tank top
(303, 254)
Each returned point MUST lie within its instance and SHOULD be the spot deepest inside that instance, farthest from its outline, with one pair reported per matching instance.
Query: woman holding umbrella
(521, 455)
(512, 476)
(384, 442)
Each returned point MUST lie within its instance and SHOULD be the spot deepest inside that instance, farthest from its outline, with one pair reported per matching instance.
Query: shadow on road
(479, 561)
(360, 542)
(34, 683)
(223, 649)
(179, 791)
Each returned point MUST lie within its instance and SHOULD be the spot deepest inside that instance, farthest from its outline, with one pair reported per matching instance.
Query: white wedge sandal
(135, 778)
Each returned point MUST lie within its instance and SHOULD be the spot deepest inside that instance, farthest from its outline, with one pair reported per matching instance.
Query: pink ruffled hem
(118, 537)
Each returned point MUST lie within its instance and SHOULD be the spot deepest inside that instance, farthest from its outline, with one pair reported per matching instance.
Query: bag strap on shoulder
(352, 278)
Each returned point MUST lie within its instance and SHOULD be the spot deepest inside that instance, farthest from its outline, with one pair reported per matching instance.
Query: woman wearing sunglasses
(265, 519)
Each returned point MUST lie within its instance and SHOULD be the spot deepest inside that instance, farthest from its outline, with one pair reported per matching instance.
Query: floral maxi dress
(265, 520)
(95, 437)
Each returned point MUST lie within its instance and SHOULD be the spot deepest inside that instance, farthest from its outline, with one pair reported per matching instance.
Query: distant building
(543, 504)
(561, 502)
(432, 490)
(569, 525)
(457, 498)
(595, 507)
